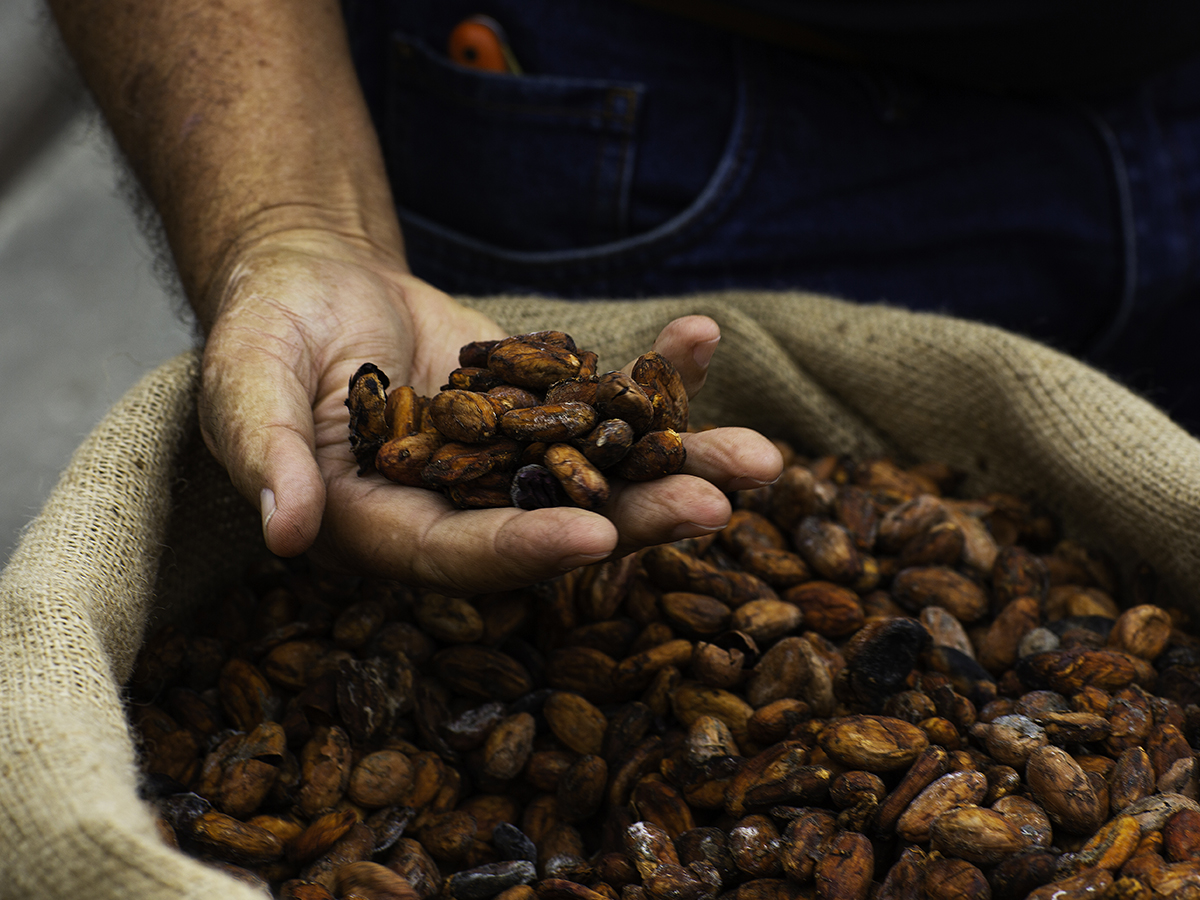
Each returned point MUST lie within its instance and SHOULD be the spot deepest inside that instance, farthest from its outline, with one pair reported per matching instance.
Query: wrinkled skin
(275, 379)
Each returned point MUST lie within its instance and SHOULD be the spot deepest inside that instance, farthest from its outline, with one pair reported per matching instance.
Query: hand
(299, 314)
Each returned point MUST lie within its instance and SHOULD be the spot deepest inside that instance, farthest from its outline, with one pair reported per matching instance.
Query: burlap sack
(142, 501)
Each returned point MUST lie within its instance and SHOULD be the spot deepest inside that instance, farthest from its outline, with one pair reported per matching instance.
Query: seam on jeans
(1104, 344)
(624, 167)
(612, 153)
(628, 161)
(450, 247)
(600, 212)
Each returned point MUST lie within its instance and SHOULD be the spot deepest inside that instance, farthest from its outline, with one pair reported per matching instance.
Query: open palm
(298, 319)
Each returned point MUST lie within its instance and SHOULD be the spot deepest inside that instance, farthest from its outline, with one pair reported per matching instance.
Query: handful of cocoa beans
(863, 687)
(525, 421)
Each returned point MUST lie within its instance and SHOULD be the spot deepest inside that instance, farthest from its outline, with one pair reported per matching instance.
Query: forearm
(240, 119)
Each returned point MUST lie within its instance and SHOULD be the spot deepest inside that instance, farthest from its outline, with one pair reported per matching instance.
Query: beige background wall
(82, 315)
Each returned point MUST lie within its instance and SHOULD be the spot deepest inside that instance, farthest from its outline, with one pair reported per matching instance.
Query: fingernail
(704, 352)
(693, 529)
(582, 559)
(267, 502)
(746, 483)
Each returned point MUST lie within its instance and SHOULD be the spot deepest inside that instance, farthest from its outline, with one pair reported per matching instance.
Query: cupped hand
(296, 318)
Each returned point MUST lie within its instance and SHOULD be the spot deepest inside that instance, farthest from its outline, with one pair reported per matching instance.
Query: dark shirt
(1076, 46)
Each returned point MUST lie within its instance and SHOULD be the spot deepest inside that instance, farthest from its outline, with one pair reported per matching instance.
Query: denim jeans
(644, 155)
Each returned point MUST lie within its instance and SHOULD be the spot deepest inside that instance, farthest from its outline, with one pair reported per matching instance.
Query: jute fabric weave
(143, 525)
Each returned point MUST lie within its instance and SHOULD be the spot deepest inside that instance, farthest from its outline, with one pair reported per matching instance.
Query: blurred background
(82, 313)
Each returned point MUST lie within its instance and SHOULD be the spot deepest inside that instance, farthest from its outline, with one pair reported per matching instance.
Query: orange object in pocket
(479, 42)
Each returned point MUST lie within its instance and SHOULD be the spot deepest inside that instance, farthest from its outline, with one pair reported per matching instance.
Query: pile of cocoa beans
(524, 421)
(861, 688)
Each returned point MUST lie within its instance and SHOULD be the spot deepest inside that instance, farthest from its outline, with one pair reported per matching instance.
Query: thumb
(257, 420)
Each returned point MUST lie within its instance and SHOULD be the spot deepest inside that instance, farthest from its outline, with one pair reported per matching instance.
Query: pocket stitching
(414, 50)
(444, 245)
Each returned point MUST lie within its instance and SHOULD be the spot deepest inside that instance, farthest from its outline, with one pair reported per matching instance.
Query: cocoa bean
(946, 793)
(380, 779)
(508, 747)
(954, 879)
(780, 775)
(489, 880)
(490, 491)
(828, 609)
(661, 804)
(923, 586)
(534, 363)
(465, 416)
(717, 667)
(1016, 877)
(693, 700)
(606, 444)
(471, 378)
(450, 620)
(618, 396)
(325, 769)
(650, 848)
(845, 868)
(552, 423)
(509, 396)
(829, 549)
(695, 614)
(906, 521)
(781, 569)
(367, 402)
(766, 621)
(372, 881)
(229, 839)
(930, 764)
(455, 463)
(482, 672)
(1111, 846)
(581, 480)
(945, 630)
(475, 353)
(1088, 883)
(581, 788)
(1064, 790)
(780, 674)
(803, 843)
(448, 836)
(575, 722)
(662, 383)
(873, 743)
(655, 454)
(1143, 631)
(1027, 817)
(754, 847)
(529, 734)
(413, 863)
(1181, 835)
(978, 835)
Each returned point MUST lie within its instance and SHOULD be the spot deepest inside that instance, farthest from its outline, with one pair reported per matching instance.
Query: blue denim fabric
(644, 155)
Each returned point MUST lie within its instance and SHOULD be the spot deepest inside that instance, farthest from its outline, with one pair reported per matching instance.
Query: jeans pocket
(522, 162)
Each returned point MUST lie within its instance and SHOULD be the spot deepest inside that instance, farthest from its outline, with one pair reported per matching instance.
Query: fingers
(414, 535)
(668, 509)
(257, 420)
(693, 503)
(733, 459)
(689, 343)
